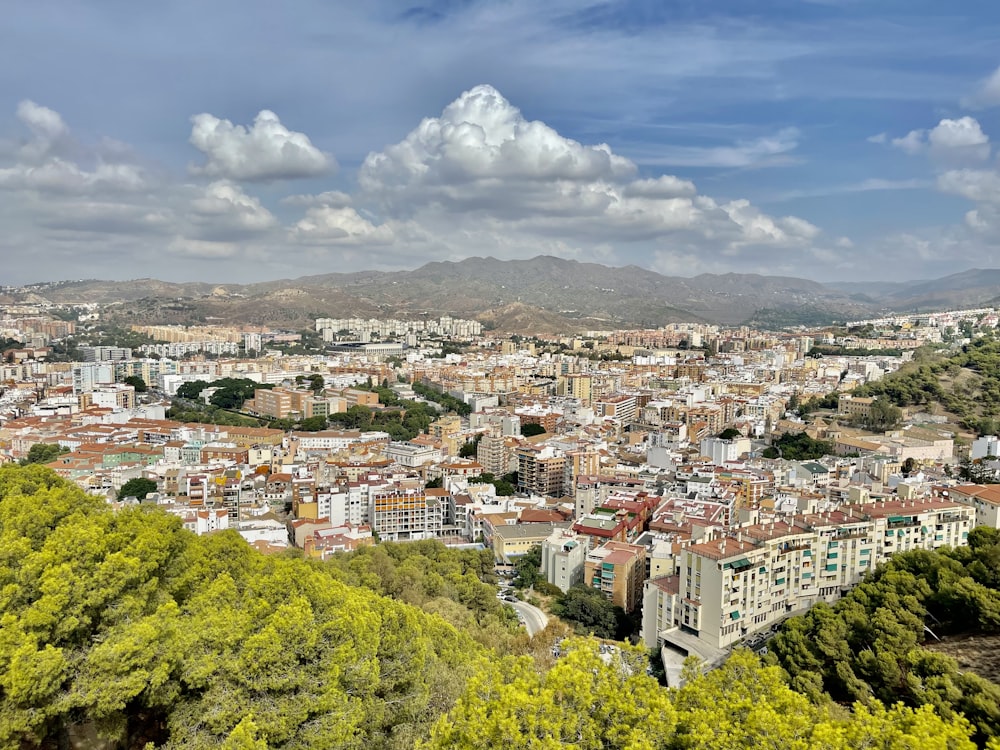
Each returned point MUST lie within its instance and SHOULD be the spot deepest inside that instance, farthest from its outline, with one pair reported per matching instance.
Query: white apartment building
(733, 586)
(563, 557)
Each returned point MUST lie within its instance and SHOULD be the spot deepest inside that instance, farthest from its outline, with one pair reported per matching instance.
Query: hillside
(963, 384)
(127, 628)
(584, 294)
(541, 295)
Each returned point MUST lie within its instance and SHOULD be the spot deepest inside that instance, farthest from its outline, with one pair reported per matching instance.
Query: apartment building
(408, 514)
(984, 498)
(563, 556)
(732, 586)
(617, 570)
(540, 470)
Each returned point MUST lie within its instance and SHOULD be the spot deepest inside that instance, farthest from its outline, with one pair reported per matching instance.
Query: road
(534, 619)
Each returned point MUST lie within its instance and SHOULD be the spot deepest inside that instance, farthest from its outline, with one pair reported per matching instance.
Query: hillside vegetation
(868, 644)
(125, 626)
(965, 383)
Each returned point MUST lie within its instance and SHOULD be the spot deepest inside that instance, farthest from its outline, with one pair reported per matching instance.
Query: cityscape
(614, 375)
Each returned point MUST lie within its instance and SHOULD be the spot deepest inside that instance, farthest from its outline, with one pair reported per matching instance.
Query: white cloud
(769, 150)
(980, 185)
(666, 186)
(334, 198)
(480, 179)
(987, 93)
(339, 226)
(961, 140)
(483, 175)
(479, 138)
(224, 205)
(961, 137)
(47, 128)
(912, 143)
(43, 164)
(877, 138)
(59, 176)
(266, 151)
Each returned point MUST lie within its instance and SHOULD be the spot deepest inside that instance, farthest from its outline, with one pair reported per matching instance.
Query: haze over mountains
(543, 294)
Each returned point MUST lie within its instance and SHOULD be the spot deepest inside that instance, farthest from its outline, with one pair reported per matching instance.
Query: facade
(510, 541)
(404, 515)
(984, 498)
(617, 570)
(563, 557)
(736, 585)
(540, 470)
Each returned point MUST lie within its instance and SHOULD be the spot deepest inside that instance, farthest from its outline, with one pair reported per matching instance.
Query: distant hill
(541, 294)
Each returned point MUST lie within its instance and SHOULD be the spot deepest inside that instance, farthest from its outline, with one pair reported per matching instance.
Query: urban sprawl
(647, 464)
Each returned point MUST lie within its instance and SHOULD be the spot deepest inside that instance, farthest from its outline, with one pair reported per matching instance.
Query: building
(513, 540)
(617, 570)
(854, 406)
(563, 557)
(985, 498)
(733, 586)
(987, 445)
(540, 470)
(405, 514)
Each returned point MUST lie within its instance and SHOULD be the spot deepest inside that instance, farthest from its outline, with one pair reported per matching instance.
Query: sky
(240, 141)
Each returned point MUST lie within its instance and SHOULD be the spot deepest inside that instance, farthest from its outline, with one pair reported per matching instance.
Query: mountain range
(542, 295)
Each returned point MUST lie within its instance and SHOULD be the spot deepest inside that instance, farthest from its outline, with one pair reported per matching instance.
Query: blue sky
(836, 139)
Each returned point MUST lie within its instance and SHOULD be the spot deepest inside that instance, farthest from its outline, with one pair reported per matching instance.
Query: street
(534, 619)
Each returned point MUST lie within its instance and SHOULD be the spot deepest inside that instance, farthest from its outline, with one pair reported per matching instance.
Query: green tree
(136, 382)
(313, 424)
(43, 453)
(137, 488)
(589, 611)
(531, 429)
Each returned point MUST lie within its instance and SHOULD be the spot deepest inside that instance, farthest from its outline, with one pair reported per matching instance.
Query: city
(637, 461)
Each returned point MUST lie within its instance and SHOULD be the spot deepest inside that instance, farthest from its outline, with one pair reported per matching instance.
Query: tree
(136, 382)
(883, 415)
(137, 488)
(43, 453)
(730, 433)
(313, 424)
(469, 449)
(589, 611)
(191, 391)
(531, 429)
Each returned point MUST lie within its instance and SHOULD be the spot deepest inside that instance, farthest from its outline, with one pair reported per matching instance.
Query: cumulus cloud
(912, 143)
(59, 176)
(480, 179)
(339, 226)
(987, 93)
(950, 140)
(483, 168)
(42, 163)
(266, 151)
(980, 185)
(481, 138)
(224, 205)
(47, 128)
